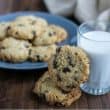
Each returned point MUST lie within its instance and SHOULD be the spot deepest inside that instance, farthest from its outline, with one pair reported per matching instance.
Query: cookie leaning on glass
(69, 66)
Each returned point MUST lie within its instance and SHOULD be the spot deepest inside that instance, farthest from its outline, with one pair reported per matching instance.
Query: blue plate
(68, 25)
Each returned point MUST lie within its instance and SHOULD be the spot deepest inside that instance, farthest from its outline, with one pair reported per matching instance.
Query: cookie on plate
(3, 29)
(52, 34)
(61, 32)
(70, 66)
(46, 88)
(14, 50)
(24, 30)
(42, 53)
(33, 20)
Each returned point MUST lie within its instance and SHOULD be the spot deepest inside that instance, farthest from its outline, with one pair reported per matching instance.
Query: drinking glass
(98, 52)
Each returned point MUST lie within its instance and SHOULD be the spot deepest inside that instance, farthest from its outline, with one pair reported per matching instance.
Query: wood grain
(7, 6)
(16, 92)
(16, 86)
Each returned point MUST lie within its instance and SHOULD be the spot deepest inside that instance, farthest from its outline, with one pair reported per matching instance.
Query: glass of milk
(94, 38)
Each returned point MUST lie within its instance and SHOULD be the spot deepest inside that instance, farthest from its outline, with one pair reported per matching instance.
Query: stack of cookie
(29, 38)
(67, 69)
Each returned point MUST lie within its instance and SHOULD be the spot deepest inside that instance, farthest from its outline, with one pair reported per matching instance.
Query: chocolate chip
(63, 91)
(59, 78)
(45, 56)
(75, 79)
(51, 33)
(58, 104)
(27, 46)
(80, 60)
(73, 65)
(46, 91)
(30, 52)
(75, 72)
(8, 28)
(34, 33)
(55, 64)
(16, 33)
(73, 86)
(58, 49)
(70, 61)
(76, 53)
(54, 33)
(33, 22)
(70, 86)
(2, 47)
(66, 69)
(20, 25)
(38, 58)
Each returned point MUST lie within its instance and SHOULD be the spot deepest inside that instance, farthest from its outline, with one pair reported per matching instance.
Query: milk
(97, 45)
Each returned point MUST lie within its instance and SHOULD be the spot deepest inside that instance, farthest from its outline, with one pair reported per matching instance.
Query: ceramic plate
(68, 25)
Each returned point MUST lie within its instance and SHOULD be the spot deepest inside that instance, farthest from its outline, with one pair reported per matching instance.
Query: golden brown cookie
(51, 34)
(24, 30)
(70, 67)
(46, 88)
(14, 50)
(42, 53)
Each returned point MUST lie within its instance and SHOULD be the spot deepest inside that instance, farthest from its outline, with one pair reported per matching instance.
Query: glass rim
(81, 34)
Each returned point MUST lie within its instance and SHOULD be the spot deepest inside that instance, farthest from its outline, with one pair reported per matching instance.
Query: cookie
(52, 34)
(14, 50)
(46, 88)
(24, 30)
(3, 29)
(70, 66)
(61, 32)
(42, 53)
(33, 20)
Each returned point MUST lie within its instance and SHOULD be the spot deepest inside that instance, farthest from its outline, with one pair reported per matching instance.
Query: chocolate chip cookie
(46, 88)
(52, 34)
(24, 30)
(70, 66)
(42, 53)
(14, 50)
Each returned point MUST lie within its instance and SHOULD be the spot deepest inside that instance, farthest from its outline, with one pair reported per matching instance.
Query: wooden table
(16, 86)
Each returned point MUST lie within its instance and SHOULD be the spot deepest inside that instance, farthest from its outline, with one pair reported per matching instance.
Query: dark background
(16, 86)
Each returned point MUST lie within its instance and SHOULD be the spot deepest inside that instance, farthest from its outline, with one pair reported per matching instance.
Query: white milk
(99, 53)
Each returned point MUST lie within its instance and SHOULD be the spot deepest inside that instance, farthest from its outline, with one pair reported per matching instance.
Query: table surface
(16, 86)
